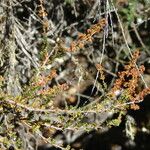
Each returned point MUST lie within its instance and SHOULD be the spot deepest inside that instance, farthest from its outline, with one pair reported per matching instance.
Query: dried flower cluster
(43, 80)
(100, 68)
(85, 38)
(128, 81)
(43, 15)
(54, 91)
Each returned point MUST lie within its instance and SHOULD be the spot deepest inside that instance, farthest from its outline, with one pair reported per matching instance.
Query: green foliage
(130, 127)
(70, 2)
(117, 121)
(130, 12)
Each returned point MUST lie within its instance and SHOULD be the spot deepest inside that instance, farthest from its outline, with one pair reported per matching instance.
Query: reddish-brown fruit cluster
(128, 80)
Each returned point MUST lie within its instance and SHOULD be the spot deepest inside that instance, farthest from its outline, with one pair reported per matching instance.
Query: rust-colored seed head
(130, 84)
(85, 38)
